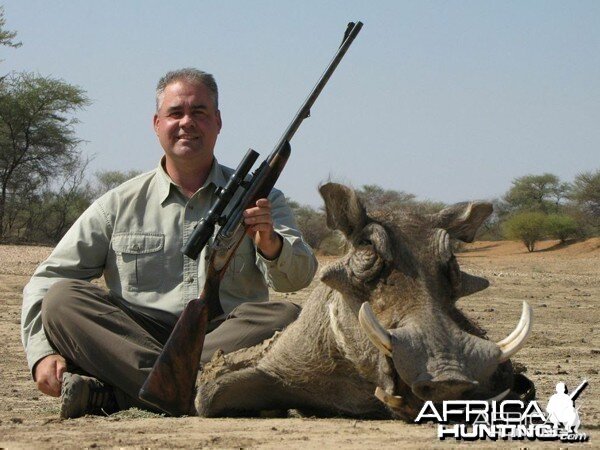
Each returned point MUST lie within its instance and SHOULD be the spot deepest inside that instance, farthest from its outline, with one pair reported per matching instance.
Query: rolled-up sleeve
(80, 254)
(296, 265)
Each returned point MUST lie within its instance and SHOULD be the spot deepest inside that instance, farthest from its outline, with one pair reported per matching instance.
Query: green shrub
(528, 227)
(561, 226)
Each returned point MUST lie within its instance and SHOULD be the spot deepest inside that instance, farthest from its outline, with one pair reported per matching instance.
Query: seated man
(96, 347)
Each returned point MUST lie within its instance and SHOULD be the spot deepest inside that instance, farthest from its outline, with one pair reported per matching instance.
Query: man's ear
(219, 120)
(155, 123)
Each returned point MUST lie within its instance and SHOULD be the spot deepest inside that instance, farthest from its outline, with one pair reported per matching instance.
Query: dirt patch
(560, 282)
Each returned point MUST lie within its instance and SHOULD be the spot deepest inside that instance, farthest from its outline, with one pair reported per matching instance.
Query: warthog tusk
(378, 335)
(498, 397)
(393, 401)
(515, 340)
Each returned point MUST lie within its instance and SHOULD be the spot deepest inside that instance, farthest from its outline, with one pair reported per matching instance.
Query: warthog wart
(381, 333)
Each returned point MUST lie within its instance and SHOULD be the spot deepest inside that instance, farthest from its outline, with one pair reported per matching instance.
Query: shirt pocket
(140, 259)
(242, 261)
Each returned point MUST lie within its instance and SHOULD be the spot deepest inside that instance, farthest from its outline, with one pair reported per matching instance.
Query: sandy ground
(562, 284)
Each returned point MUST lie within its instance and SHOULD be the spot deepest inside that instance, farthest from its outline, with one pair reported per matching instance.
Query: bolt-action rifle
(170, 384)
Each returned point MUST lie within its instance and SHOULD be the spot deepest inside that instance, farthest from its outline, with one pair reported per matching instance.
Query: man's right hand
(48, 374)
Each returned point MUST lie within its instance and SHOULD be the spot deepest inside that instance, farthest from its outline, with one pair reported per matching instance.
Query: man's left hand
(259, 226)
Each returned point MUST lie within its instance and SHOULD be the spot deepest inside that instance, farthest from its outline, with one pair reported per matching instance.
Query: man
(96, 347)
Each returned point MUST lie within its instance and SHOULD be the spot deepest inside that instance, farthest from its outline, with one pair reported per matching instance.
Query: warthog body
(409, 341)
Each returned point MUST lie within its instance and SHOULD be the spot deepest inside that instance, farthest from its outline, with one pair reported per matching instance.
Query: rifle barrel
(304, 110)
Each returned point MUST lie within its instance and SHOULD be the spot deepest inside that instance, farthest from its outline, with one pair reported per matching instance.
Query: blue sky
(449, 100)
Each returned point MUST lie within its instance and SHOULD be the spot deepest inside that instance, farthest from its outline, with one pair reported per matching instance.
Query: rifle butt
(170, 386)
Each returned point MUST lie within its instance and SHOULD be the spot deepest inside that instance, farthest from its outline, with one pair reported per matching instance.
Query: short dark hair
(190, 75)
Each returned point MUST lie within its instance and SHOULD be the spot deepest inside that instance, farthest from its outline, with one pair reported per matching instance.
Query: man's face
(187, 123)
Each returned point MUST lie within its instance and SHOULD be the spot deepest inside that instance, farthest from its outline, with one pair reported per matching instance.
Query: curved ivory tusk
(516, 331)
(498, 397)
(515, 340)
(393, 401)
(378, 335)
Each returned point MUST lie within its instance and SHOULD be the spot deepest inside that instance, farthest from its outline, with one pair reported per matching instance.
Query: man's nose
(186, 120)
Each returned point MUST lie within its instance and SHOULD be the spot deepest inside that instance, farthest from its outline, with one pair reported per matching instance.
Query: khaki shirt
(133, 236)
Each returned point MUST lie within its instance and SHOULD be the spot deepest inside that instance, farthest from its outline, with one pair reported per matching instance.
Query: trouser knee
(284, 313)
(274, 315)
(58, 301)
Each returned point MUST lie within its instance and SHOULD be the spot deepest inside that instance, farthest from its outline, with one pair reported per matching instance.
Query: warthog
(382, 321)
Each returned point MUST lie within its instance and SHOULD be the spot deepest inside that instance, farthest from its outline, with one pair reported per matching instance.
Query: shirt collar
(215, 177)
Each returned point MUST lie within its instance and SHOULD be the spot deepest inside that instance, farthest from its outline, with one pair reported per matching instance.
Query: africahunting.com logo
(472, 420)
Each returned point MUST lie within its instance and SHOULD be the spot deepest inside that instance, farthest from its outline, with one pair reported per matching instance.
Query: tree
(528, 227)
(110, 179)
(586, 194)
(7, 37)
(311, 222)
(561, 226)
(376, 198)
(536, 193)
(37, 137)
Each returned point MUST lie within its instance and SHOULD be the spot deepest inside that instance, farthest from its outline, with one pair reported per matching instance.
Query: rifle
(578, 390)
(171, 382)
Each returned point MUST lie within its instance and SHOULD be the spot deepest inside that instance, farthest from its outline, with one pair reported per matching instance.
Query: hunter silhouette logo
(508, 419)
(561, 407)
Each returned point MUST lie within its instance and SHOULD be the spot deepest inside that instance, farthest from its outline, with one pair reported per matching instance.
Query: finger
(261, 228)
(44, 388)
(61, 367)
(256, 211)
(49, 388)
(255, 220)
(263, 203)
(55, 387)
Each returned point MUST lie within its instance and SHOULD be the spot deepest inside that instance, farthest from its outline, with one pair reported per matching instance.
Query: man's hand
(259, 223)
(48, 374)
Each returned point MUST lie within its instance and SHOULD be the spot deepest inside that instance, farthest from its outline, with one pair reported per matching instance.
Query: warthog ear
(462, 220)
(470, 284)
(344, 210)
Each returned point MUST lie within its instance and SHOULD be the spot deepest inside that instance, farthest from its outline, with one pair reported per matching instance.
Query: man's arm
(80, 254)
(294, 265)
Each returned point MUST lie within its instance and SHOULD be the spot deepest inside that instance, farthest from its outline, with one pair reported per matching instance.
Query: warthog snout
(447, 386)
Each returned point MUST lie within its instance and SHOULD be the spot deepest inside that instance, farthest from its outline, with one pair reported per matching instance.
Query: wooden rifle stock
(170, 385)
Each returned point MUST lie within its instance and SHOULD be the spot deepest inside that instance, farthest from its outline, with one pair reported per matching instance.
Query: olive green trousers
(118, 343)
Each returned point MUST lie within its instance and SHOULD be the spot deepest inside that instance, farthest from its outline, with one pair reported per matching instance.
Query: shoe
(83, 395)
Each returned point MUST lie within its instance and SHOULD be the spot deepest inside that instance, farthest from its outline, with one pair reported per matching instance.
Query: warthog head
(402, 268)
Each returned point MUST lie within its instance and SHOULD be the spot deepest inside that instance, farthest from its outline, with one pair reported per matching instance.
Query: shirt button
(136, 247)
(190, 279)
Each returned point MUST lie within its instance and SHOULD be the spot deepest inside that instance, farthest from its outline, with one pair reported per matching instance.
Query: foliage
(7, 37)
(586, 195)
(536, 193)
(376, 198)
(528, 227)
(561, 226)
(110, 179)
(311, 223)
(37, 137)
